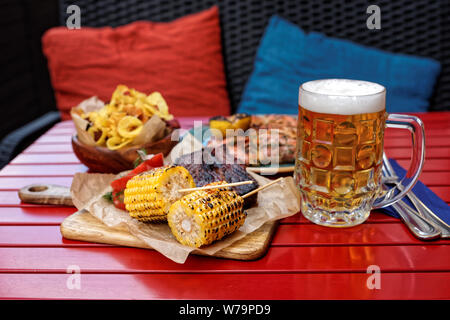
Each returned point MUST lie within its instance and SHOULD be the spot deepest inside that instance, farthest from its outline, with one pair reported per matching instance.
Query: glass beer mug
(339, 157)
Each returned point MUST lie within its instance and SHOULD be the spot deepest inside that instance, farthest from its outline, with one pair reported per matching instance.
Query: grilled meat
(280, 133)
(212, 169)
(287, 128)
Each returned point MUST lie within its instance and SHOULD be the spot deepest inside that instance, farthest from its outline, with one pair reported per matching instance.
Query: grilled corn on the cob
(148, 197)
(205, 216)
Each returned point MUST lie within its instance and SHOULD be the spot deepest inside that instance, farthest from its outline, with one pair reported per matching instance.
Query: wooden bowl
(103, 160)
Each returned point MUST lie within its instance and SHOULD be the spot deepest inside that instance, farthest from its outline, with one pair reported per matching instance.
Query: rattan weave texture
(420, 27)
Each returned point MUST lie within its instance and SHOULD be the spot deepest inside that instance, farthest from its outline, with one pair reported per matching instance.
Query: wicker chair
(420, 27)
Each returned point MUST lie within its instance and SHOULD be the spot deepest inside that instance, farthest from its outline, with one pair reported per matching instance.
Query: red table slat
(34, 215)
(48, 148)
(368, 233)
(65, 124)
(53, 139)
(402, 285)
(442, 192)
(430, 132)
(47, 170)
(37, 236)
(406, 141)
(56, 158)
(432, 179)
(14, 183)
(9, 198)
(286, 235)
(438, 165)
(278, 259)
(60, 131)
(431, 153)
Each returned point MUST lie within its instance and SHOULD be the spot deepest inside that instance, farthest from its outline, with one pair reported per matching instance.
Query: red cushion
(181, 59)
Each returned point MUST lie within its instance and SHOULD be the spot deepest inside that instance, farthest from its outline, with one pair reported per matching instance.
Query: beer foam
(342, 96)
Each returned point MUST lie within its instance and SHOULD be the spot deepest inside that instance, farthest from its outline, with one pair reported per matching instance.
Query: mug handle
(416, 127)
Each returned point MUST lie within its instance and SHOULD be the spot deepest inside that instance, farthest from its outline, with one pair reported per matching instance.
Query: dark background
(418, 27)
(25, 88)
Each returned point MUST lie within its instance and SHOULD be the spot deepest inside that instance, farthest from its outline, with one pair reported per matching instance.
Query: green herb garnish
(141, 157)
(108, 196)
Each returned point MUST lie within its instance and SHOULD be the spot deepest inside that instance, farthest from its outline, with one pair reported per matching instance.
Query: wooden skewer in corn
(234, 184)
(261, 188)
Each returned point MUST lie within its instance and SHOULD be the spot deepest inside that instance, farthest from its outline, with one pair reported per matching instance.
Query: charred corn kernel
(205, 216)
(149, 196)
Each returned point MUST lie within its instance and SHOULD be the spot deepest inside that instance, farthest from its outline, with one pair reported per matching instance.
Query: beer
(339, 149)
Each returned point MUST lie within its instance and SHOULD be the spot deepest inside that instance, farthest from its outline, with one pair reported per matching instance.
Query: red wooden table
(304, 261)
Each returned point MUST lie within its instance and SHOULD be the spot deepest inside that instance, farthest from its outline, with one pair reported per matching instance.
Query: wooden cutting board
(83, 226)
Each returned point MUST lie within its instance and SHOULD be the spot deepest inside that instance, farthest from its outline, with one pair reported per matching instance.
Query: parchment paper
(278, 201)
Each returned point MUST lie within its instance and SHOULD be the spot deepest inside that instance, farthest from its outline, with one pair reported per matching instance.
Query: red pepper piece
(121, 183)
(118, 200)
(154, 162)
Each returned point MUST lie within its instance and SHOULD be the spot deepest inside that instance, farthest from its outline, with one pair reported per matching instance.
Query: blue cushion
(288, 57)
